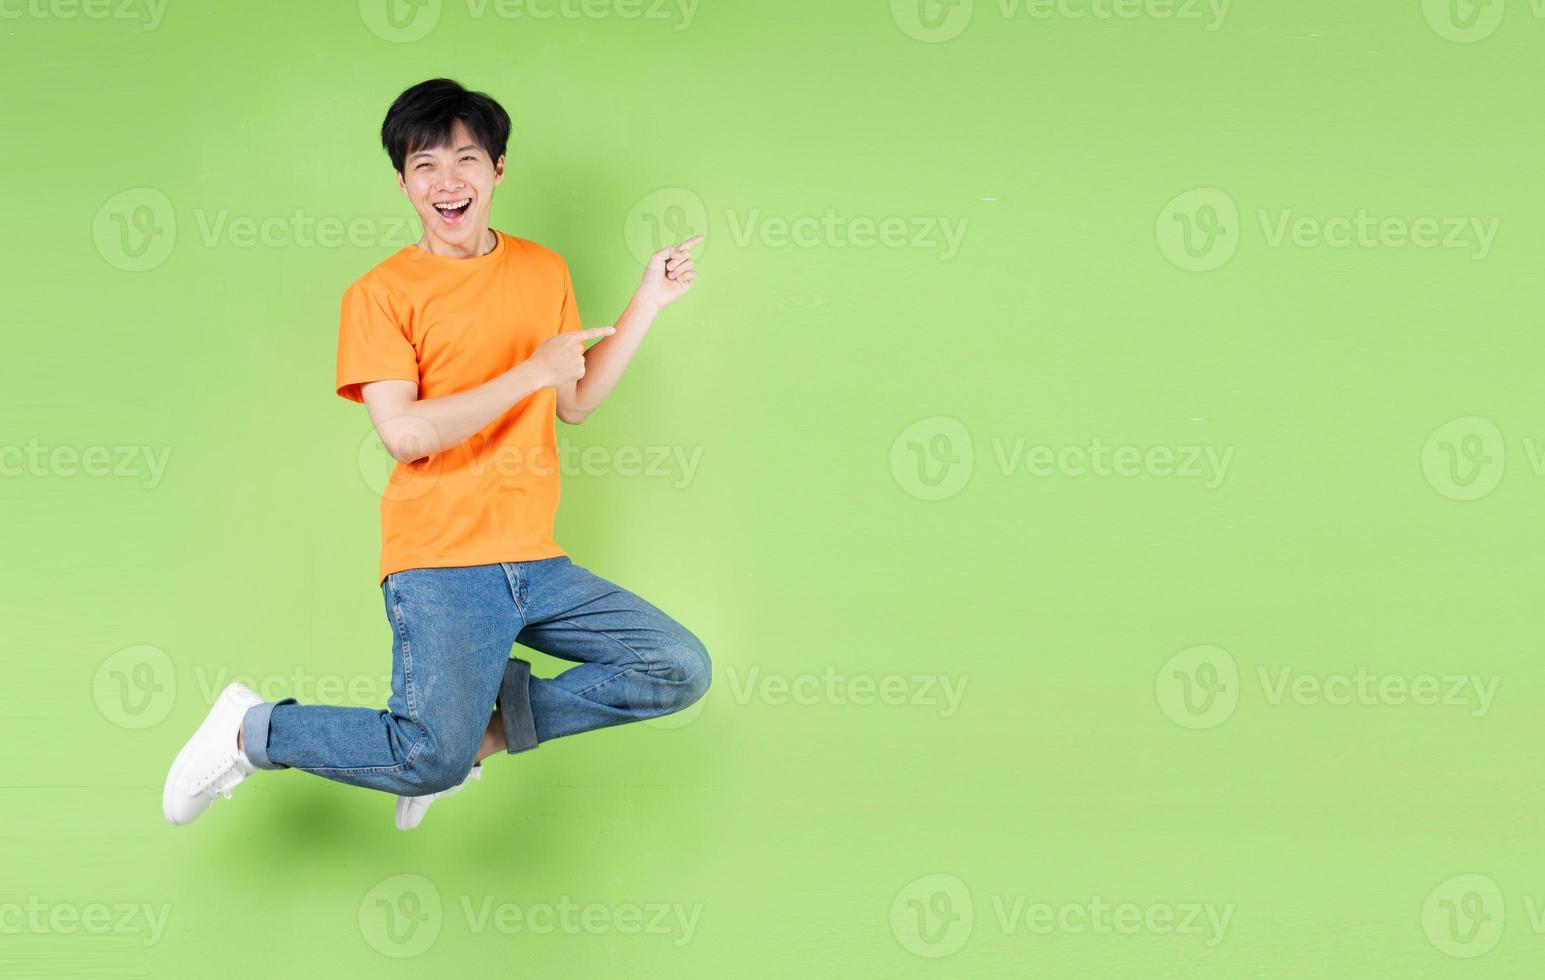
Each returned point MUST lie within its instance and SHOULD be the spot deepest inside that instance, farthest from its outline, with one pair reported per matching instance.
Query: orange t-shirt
(450, 324)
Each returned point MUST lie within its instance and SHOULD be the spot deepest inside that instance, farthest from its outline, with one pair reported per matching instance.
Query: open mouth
(451, 212)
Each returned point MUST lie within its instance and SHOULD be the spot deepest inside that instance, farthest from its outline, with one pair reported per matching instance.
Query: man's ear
(402, 185)
(499, 170)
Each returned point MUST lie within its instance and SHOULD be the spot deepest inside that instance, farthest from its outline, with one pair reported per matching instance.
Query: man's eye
(422, 165)
(469, 157)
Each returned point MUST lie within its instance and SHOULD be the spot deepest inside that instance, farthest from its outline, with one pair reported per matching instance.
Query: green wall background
(1275, 714)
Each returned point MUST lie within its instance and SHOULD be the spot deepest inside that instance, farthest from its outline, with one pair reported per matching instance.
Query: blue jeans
(453, 629)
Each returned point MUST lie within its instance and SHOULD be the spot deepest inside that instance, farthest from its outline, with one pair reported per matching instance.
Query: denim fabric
(453, 629)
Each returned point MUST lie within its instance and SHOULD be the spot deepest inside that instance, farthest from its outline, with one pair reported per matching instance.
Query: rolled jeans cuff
(515, 707)
(254, 733)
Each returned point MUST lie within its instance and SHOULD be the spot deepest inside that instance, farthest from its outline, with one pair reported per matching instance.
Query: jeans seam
(408, 694)
(639, 662)
(399, 767)
(513, 579)
(356, 769)
(407, 664)
(605, 680)
(638, 657)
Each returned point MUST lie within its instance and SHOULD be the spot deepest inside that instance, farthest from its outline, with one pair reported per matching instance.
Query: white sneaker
(411, 809)
(210, 764)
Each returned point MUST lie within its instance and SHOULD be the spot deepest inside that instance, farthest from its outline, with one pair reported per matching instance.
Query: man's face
(458, 174)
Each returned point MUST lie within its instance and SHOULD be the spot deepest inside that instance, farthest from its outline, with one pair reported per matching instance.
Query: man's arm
(667, 278)
(604, 368)
(412, 428)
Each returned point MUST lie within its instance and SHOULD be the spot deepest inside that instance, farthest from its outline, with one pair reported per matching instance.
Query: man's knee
(438, 766)
(685, 669)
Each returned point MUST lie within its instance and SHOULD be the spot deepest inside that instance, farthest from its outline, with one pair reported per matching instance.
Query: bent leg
(634, 661)
(452, 629)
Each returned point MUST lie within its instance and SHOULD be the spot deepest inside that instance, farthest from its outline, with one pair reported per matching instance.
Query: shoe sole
(404, 803)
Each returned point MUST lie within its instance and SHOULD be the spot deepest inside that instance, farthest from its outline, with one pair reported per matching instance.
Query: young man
(463, 348)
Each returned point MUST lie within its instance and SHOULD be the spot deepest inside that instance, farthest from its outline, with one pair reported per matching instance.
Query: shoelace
(225, 767)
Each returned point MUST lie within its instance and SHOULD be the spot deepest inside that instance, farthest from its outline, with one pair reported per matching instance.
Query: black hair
(424, 116)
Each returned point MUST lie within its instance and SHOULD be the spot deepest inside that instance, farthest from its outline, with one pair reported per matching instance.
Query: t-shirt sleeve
(371, 343)
(568, 316)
